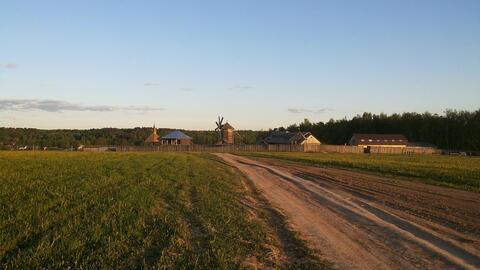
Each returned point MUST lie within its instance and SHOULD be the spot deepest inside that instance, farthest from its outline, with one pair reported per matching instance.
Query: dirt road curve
(359, 221)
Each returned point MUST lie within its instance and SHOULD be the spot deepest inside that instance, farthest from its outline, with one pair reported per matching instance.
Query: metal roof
(176, 135)
(280, 137)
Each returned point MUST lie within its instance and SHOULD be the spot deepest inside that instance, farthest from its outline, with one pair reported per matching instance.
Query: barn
(378, 140)
(176, 138)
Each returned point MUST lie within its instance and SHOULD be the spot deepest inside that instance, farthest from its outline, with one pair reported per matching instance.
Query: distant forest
(458, 130)
(65, 138)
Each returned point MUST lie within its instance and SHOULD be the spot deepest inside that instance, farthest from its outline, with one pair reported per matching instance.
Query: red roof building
(379, 140)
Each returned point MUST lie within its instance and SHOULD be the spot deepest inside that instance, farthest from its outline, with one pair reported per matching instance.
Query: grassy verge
(451, 171)
(136, 210)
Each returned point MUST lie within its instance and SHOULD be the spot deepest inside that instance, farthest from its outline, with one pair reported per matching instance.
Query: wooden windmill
(225, 132)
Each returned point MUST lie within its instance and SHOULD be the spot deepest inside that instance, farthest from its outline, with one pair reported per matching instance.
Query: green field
(452, 171)
(166, 210)
(135, 210)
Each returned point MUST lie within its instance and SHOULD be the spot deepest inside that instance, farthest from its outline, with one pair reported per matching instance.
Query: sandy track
(358, 221)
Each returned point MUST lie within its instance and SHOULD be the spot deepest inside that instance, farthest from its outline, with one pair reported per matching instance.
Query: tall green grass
(452, 171)
(142, 210)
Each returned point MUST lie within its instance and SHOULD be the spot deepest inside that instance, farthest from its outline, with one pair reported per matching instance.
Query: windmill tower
(225, 132)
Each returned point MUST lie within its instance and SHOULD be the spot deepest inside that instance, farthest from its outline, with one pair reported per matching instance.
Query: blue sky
(261, 64)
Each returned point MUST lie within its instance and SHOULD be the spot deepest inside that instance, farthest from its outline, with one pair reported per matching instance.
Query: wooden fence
(323, 148)
(405, 150)
(213, 148)
(328, 148)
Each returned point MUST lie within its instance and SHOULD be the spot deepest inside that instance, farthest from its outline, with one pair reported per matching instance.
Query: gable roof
(279, 137)
(227, 126)
(153, 138)
(301, 137)
(176, 135)
(380, 139)
(286, 137)
(298, 137)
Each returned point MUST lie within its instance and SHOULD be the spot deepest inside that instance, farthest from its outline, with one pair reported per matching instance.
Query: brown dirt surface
(361, 221)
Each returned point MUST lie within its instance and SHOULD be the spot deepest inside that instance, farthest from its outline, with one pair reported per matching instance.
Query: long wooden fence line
(327, 148)
(323, 148)
(405, 150)
(209, 148)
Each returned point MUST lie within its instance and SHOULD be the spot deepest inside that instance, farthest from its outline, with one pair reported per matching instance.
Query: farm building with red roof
(379, 140)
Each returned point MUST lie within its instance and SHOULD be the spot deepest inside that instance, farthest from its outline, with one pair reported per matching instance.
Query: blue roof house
(176, 138)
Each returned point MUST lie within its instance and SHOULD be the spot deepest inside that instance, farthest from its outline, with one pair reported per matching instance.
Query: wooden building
(176, 138)
(153, 139)
(228, 134)
(292, 138)
(379, 140)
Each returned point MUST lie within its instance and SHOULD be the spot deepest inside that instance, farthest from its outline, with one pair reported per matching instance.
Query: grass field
(137, 210)
(452, 171)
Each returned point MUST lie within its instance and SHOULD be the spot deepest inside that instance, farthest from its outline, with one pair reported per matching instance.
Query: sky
(260, 64)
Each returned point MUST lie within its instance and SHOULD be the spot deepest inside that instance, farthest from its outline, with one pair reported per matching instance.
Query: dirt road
(360, 221)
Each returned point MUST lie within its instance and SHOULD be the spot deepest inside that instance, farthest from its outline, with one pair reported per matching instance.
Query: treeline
(459, 130)
(65, 138)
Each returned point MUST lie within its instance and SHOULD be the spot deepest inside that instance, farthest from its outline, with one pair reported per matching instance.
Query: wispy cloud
(241, 88)
(9, 65)
(317, 111)
(151, 84)
(59, 106)
(186, 89)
